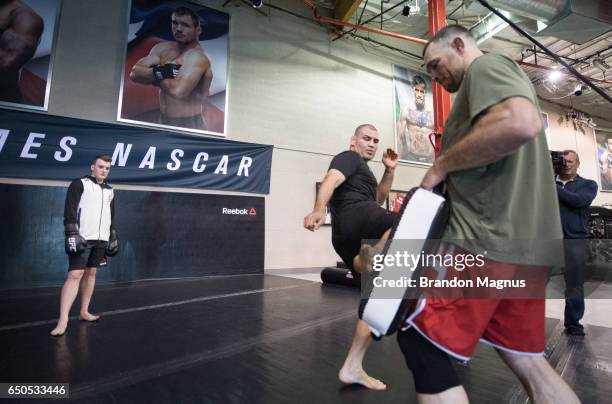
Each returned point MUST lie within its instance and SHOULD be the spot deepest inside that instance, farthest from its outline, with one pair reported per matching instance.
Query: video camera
(558, 162)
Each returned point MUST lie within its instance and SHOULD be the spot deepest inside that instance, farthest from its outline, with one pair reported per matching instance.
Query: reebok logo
(249, 212)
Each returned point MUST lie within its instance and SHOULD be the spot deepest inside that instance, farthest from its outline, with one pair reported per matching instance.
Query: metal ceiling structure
(593, 58)
(388, 21)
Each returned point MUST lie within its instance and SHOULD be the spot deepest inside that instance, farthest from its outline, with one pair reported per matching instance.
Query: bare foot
(360, 377)
(88, 317)
(366, 254)
(60, 329)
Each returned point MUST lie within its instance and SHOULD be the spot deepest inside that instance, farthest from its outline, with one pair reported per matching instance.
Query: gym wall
(156, 236)
(288, 85)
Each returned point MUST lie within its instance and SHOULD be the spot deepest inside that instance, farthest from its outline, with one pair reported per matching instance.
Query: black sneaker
(575, 331)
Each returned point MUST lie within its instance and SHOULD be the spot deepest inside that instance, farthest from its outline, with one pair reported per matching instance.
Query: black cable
(369, 20)
(453, 12)
(549, 52)
(390, 18)
(403, 52)
(362, 11)
(384, 45)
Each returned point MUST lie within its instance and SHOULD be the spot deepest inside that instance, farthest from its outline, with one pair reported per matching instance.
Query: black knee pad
(432, 368)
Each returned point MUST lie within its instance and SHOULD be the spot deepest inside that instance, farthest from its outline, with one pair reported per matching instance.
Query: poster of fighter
(27, 36)
(175, 72)
(604, 159)
(413, 114)
(395, 200)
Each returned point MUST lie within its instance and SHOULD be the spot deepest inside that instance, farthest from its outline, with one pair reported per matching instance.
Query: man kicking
(355, 198)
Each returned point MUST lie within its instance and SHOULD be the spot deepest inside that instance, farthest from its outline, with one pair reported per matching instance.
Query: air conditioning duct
(576, 21)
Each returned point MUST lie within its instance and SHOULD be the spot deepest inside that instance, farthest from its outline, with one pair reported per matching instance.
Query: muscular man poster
(26, 42)
(604, 159)
(413, 115)
(176, 67)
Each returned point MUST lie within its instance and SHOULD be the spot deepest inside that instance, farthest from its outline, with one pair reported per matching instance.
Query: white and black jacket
(91, 206)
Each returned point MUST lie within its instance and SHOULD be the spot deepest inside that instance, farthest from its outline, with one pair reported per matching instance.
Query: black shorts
(90, 258)
(364, 222)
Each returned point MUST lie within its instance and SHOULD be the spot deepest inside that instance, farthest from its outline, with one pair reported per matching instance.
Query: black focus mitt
(113, 244)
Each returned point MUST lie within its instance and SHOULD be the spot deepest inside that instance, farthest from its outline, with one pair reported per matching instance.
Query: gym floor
(246, 338)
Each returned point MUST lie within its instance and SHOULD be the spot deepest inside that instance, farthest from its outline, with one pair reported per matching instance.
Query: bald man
(355, 198)
(495, 162)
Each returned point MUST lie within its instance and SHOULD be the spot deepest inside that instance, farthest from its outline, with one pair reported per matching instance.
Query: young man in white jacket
(90, 235)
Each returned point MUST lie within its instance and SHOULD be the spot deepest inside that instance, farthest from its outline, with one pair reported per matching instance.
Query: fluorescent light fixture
(554, 76)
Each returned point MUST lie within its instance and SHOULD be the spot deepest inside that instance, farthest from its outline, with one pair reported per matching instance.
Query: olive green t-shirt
(508, 208)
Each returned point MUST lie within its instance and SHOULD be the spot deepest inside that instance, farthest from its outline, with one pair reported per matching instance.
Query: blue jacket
(575, 197)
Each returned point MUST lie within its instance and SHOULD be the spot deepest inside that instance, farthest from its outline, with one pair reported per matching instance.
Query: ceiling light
(554, 75)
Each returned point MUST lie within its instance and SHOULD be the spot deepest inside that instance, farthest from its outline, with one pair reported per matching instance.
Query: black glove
(167, 71)
(113, 244)
(74, 243)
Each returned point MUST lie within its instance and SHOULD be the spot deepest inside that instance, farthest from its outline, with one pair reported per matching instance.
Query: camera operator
(575, 196)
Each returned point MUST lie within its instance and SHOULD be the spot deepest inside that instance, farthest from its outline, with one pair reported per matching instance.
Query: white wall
(289, 86)
(292, 88)
(88, 56)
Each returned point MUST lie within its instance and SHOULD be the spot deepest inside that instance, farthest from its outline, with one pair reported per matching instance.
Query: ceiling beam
(345, 9)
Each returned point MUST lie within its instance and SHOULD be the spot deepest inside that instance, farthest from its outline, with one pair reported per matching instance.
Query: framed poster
(413, 115)
(27, 43)
(603, 141)
(328, 219)
(175, 69)
(395, 200)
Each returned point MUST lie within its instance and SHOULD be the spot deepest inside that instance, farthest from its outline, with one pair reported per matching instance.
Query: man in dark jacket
(575, 197)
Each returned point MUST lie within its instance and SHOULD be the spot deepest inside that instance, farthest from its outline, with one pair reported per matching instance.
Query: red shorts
(456, 324)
